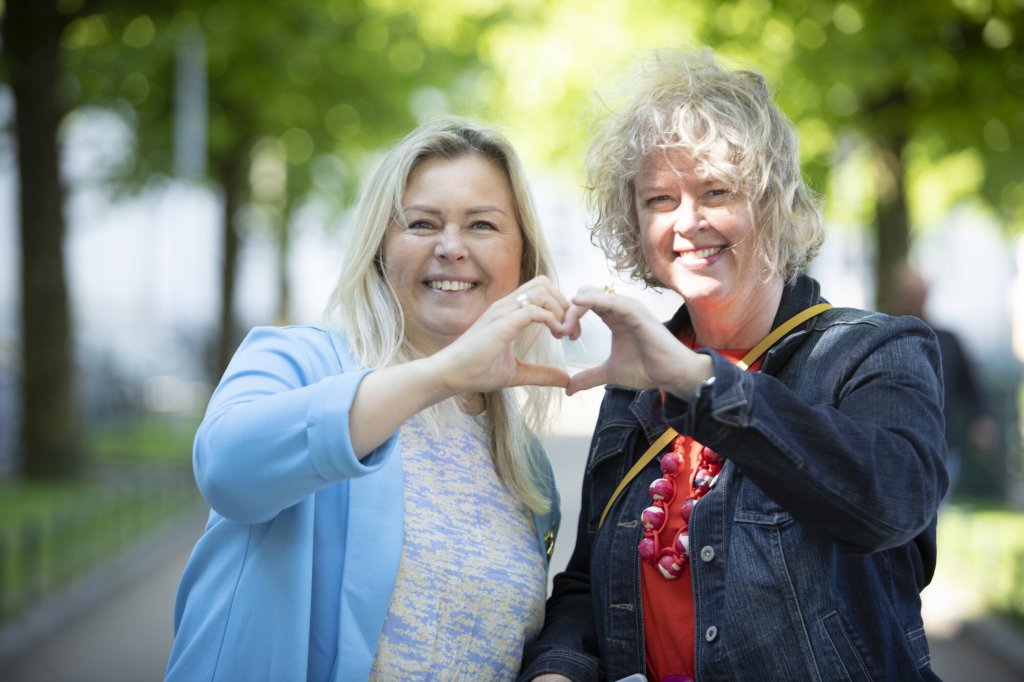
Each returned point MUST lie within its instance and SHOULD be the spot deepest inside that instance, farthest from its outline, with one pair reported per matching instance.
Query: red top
(668, 604)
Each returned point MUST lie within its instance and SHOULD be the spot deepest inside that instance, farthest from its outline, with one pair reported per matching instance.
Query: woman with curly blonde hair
(761, 491)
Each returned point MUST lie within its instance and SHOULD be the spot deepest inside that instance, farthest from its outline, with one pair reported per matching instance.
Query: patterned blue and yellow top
(471, 584)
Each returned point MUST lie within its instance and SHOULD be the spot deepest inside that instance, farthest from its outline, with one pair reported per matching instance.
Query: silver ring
(523, 300)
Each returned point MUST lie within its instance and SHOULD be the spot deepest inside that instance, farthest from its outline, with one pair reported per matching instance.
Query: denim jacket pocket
(848, 662)
(610, 458)
(753, 506)
(609, 441)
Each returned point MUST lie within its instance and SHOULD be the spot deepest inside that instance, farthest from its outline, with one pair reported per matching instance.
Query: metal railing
(49, 549)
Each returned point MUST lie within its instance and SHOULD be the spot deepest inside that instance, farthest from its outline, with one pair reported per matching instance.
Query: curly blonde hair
(726, 121)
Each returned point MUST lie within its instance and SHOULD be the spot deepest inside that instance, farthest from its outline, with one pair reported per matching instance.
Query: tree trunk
(284, 248)
(49, 414)
(892, 221)
(227, 335)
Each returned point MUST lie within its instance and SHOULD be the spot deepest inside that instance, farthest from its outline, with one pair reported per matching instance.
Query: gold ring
(609, 288)
(523, 300)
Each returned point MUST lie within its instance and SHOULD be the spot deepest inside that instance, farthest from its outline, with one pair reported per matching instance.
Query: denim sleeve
(567, 645)
(276, 429)
(849, 443)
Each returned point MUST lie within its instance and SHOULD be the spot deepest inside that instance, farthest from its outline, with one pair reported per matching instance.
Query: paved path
(125, 637)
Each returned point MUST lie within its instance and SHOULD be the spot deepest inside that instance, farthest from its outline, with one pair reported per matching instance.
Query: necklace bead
(682, 544)
(671, 559)
(653, 518)
(670, 464)
(671, 566)
(687, 509)
(662, 490)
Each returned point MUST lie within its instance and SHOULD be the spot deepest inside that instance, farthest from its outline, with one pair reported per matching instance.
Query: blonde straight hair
(365, 309)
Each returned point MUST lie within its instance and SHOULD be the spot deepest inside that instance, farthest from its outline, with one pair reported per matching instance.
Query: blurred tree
(31, 64)
(297, 93)
(286, 99)
(913, 88)
(924, 101)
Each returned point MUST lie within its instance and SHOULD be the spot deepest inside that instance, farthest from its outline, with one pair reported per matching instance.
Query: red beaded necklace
(671, 559)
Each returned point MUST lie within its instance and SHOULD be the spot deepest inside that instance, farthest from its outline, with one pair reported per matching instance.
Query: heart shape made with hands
(643, 352)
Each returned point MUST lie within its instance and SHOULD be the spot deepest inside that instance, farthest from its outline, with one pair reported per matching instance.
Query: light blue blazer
(292, 577)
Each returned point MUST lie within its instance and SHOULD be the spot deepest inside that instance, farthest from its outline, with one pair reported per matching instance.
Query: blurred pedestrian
(969, 426)
(761, 491)
(380, 506)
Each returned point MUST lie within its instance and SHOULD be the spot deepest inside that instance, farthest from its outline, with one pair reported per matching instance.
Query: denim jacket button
(707, 553)
(710, 634)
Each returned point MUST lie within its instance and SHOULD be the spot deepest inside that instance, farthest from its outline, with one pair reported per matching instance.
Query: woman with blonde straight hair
(365, 309)
(380, 506)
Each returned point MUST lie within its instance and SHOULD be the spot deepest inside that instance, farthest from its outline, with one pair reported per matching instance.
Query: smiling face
(698, 235)
(459, 250)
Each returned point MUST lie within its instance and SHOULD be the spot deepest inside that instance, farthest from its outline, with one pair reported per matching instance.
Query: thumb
(587, 378)
(529, 374)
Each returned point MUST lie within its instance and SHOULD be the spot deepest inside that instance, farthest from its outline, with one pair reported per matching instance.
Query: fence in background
(49, 549)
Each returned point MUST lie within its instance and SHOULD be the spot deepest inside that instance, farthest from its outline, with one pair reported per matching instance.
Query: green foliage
(981, 551)
(947, 75)
(336, 78)
(944, 77)
(149, 439)
(52, 534)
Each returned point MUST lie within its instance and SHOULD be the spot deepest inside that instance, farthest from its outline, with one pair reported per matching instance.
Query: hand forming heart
(643, 354)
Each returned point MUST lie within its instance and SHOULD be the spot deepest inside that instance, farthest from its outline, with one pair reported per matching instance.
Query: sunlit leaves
(841, 100)
(139, 32)
(945, 70)
(134, 88)
(345, 76)
(847, 19)
(406, 56)
(810, 34)
(90, 31)
(997, 34)
(304, 68)
(996, 135)
(372, 34)
(343, 121)
(937, 185)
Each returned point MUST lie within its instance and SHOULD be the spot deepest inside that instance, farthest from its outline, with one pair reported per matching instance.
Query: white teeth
(703, 253)
(450, 285)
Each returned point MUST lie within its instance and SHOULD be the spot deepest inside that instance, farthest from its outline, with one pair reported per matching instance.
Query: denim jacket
(809, 553)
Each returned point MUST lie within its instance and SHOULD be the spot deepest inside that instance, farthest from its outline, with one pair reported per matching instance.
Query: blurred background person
(969, 425)
(380, 506)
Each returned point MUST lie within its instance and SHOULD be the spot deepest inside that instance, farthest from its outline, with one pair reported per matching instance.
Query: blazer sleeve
(277, 427)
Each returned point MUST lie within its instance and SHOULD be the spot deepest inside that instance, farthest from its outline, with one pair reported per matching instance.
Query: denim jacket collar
(799, 293)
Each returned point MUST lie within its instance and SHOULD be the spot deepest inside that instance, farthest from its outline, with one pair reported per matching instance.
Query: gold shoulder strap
(652, 452)
(757, 351)
(789, 325)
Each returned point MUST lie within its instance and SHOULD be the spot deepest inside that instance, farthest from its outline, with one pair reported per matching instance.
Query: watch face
(701, 386)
